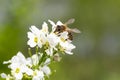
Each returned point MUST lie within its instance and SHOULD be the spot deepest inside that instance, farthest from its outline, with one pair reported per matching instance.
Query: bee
(64, 27)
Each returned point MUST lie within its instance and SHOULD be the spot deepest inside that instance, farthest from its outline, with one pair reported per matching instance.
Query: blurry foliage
(97, 55)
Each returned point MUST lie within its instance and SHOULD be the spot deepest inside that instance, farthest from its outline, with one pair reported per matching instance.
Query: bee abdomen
(70, 36)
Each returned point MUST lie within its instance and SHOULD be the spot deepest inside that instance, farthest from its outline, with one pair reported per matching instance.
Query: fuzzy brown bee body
(70, 36)
(64, 27)
(60, 29)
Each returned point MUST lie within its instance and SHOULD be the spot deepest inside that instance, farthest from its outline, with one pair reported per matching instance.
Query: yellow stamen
(36, 39)
(62, 39)
(17, 70)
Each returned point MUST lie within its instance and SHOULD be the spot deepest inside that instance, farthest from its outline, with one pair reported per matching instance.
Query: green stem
(29, 52)
(42, 59)
(37, 50)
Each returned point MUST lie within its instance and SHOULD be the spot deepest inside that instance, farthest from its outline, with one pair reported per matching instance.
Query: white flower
(34, 37)
(38, 37)
(67, 47)
(53, 40)
(19, 58)
(19, 66)
(63, 36)
(17, 70)
(38, 75)
(46, 70)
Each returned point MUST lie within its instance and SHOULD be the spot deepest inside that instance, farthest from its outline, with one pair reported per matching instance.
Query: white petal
(46, 70)
(31, 43)
(45, 27)
(69, 52)
(49, 51)
(25, 69)
(30, 35)
(18, 76)
(64, 35)
(59, 23)
(35, 59)
(14, 59)
(40, 73)
(34, 30)
(29, 62)
(13, 66)
(53, 40)
(47, 61)
(71, 46)
(52, 23)
(6, 62)
(29, 72)
(21, 57)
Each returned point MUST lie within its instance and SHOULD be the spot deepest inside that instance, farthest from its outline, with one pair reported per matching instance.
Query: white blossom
(19, 58)
(38, 75)
(34, 37)
(46, 70)
(67, 47)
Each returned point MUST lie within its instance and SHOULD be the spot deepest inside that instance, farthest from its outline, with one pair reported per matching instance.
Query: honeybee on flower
(60, 27)
(48, 45)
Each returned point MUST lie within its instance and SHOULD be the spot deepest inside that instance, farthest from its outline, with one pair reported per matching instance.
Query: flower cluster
(48, 45)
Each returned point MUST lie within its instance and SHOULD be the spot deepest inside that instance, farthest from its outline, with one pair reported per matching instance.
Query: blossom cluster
(48, 45)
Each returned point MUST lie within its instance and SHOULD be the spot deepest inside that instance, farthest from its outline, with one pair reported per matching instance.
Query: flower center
(62, 39)
(36, 39)
(17, 70)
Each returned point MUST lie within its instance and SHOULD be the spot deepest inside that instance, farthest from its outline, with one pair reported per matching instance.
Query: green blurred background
(97, 53)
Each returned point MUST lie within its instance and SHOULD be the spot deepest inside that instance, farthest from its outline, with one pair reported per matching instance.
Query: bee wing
(75, 30)
(70, 21)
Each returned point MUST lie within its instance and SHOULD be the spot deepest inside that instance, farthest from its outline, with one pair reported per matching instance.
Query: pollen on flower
(17, 70)
(36, 39)
(61, 49)
(47, 44)
(62, 39)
